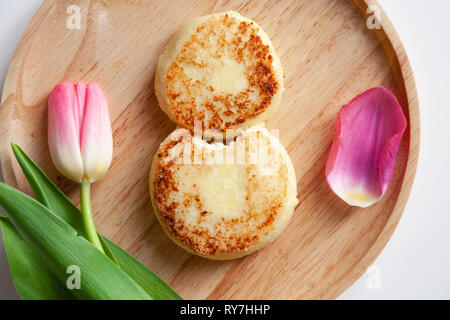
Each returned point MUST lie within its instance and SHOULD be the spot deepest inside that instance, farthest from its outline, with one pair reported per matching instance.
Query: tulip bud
(79, 131)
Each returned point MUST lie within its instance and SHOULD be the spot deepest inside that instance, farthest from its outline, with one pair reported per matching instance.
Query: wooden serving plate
(329, 56)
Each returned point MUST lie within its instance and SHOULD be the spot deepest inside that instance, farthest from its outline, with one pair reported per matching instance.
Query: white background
(415, 264)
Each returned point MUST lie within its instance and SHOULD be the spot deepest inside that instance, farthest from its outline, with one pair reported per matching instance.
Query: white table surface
(415, 264)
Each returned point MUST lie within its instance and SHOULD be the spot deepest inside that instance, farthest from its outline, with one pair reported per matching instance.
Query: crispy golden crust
(191, 99)
(267, 205)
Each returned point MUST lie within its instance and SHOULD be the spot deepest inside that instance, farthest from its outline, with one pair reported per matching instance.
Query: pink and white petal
(63, 135)
(80, 89)
(96, 134)
(367, 138)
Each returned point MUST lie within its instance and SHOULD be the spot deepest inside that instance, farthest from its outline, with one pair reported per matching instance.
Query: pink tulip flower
(365, 145)
(80, 140)
(79, 131)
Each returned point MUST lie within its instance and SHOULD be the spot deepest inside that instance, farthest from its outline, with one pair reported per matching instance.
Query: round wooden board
(329, 56)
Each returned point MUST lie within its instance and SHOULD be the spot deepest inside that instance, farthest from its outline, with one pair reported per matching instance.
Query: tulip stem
(86, 213)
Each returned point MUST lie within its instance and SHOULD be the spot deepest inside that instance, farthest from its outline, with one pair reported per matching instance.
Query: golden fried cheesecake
(220, 70)
(223, 201)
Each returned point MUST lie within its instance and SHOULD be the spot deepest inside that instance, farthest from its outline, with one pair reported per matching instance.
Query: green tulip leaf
(48, 194)
(31, 277)
(62, 249)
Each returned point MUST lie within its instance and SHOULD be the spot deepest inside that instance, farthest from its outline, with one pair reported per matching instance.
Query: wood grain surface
(329, 56)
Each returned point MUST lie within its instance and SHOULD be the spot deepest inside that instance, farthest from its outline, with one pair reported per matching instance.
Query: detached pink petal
(96, 134)
(63, 133)
(366, 141)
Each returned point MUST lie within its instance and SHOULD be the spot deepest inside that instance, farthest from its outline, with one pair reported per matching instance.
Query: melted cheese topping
(219, 209)
(220, 70)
